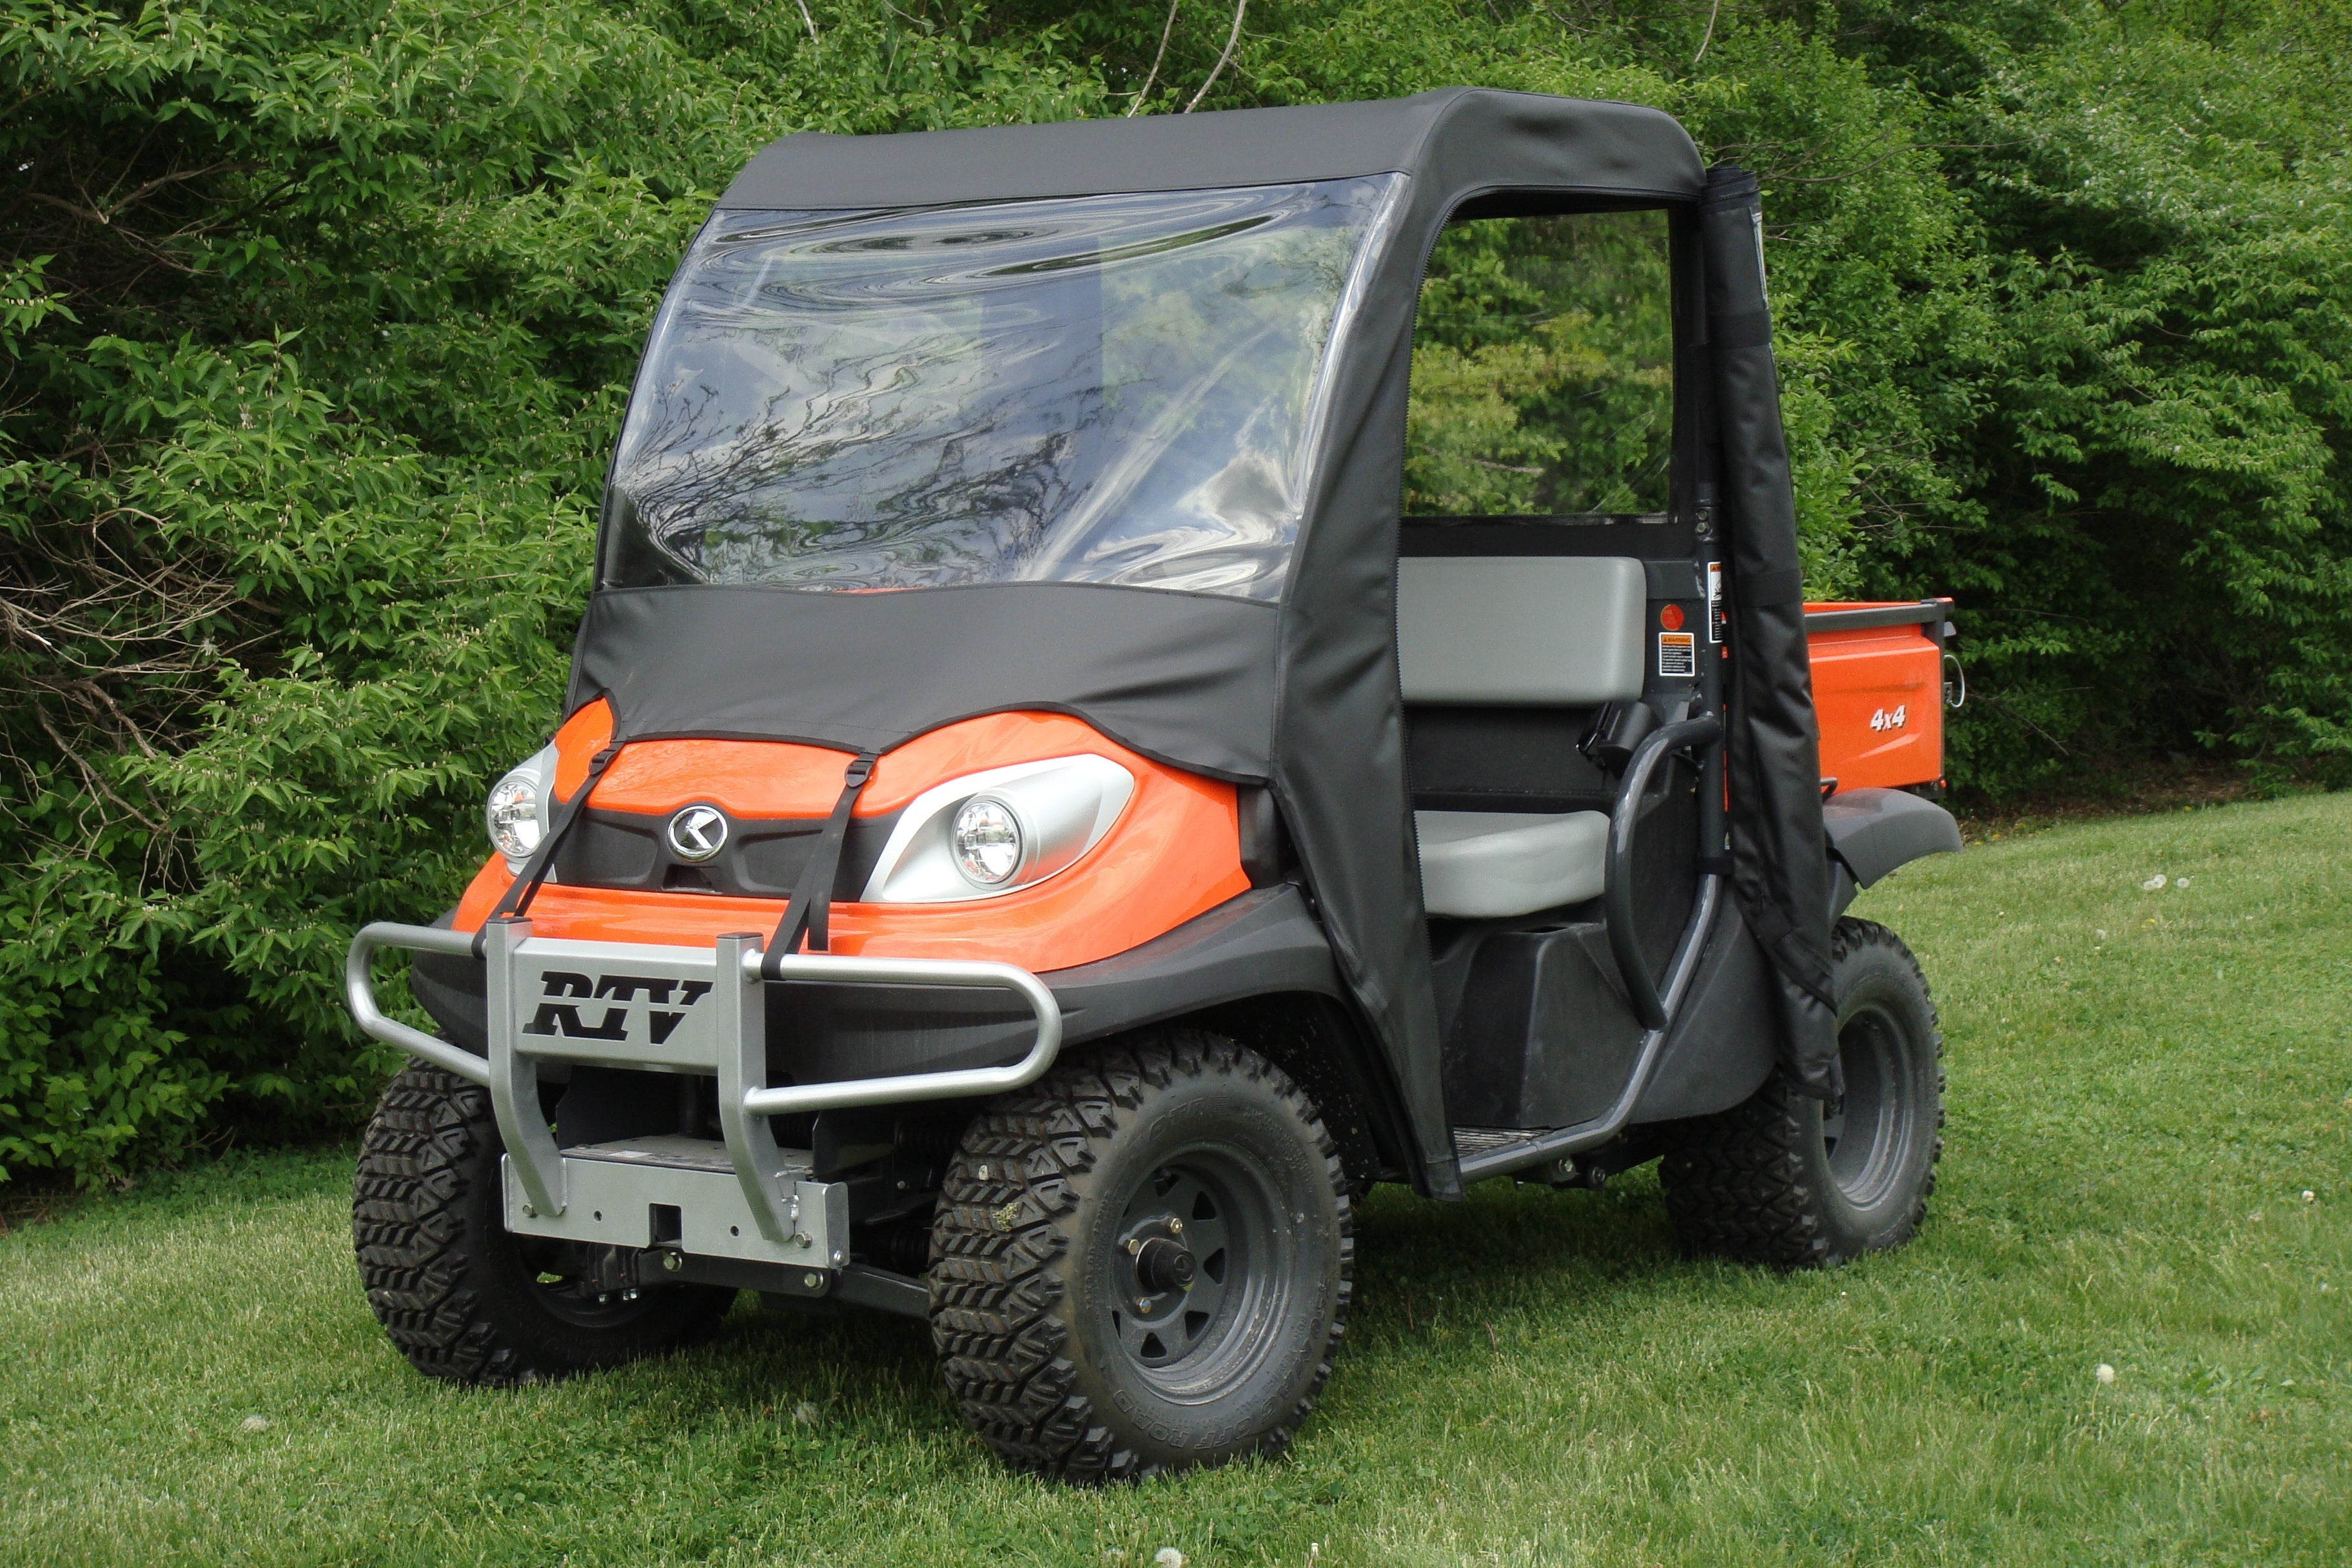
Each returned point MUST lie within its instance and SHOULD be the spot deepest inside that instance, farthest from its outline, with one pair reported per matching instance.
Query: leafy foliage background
(315, 318)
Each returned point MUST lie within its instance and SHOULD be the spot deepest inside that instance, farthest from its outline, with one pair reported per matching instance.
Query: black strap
(1741, 330)
(520, 892)
(811, 904)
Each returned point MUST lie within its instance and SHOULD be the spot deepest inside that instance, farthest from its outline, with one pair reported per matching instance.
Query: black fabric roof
(1463, 134)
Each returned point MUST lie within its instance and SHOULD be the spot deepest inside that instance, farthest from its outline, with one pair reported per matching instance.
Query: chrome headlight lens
(518, 808)
(993, 832)
(988, 841)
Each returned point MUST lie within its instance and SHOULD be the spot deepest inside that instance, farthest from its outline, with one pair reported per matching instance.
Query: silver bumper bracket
(682, 1010)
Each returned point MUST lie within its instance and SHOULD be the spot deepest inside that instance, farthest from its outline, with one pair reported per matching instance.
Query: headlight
(991, 833)
(517, 810)
(988, 841)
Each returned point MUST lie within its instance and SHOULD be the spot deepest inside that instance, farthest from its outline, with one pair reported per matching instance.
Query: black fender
(1265, 942)
(1873, 831)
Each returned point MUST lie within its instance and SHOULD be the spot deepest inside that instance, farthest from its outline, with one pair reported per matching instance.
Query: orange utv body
(1126, 891)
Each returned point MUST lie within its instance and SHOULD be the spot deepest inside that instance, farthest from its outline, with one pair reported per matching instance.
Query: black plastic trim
(1590, 1134)
(1264, 942)
(1873, 831)
(863, 1285)
(1723, 1042)
(1933, 613)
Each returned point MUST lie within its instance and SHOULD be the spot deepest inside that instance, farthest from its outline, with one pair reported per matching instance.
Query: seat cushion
(1483, 865)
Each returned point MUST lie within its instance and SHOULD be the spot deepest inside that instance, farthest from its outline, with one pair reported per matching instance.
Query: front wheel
(462, 1296)
(1783, 1179)
(1142, 1262)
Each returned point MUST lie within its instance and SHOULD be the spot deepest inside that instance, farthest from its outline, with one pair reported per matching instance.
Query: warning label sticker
(1678, 654)
(1715, 601)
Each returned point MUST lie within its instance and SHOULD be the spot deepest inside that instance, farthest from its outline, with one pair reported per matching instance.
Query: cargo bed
(1878, 687)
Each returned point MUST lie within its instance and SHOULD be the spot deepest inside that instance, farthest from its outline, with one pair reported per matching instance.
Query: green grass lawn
(2143, 1087)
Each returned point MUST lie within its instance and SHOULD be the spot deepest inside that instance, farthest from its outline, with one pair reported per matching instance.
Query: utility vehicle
(1143, 677)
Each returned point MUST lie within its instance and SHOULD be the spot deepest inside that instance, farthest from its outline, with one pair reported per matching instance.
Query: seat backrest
(1549, 631)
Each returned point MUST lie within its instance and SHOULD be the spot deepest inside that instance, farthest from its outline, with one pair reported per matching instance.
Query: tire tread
(997, 1238)
(1735, 1182)
(420, 1230)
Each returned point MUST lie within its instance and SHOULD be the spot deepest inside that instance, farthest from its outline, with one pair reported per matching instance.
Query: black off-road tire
(1056, 1341)
(1781, 1179)
(456, 1291)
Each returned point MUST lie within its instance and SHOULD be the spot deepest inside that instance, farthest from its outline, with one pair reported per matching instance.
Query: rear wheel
(1784, 1179)
(1142, 1262)
(461, 1296)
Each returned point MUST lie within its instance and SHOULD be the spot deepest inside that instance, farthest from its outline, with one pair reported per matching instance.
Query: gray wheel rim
(1201, 1273)
(1866, 1133)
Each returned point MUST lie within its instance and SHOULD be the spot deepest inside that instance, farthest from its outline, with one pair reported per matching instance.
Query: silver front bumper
(684, 1010)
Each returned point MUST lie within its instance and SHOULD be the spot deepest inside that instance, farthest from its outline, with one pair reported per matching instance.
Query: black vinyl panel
(1454, 136)
(1502, 759)
(762, 857)
(1187, 678)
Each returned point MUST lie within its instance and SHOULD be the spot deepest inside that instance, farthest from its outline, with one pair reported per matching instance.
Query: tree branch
(1154, 75)
(1241, 8)
(1713, 11)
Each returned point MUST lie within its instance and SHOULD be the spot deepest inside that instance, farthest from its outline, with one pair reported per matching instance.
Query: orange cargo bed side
(1879, 690)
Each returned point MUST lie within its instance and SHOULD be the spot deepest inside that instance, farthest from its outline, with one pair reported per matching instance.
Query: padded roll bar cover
(1779, 874)
(1875, 830)
(1538, 631)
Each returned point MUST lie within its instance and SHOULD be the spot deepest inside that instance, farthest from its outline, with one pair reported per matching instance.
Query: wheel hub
(1864, 1131)
(1179, 1266)
(1163, 1265)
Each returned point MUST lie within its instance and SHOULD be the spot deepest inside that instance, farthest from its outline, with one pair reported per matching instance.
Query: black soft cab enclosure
(1141, 675)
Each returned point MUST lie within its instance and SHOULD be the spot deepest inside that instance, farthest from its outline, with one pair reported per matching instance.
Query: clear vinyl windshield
(1107, 389)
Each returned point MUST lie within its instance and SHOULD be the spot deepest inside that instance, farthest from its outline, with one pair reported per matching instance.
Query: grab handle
(1617, 890)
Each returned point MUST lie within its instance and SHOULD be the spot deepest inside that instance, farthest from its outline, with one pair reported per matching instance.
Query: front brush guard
(680, 1010)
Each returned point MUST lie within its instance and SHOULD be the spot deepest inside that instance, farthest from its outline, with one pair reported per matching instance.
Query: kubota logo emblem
(698, 833)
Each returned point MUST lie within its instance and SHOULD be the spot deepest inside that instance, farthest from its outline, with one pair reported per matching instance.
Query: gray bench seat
(1484, 865)
(1517, 631)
